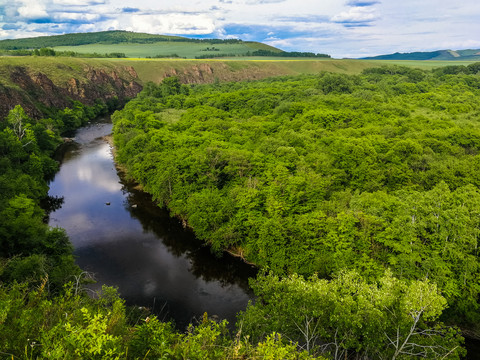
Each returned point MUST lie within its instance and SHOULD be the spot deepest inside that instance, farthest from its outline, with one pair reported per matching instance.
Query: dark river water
(128, 242)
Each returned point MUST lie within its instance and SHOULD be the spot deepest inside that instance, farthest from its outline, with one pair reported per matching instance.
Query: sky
(340, 28)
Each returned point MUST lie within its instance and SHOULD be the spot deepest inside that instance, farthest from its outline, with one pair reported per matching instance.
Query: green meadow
(188, 50)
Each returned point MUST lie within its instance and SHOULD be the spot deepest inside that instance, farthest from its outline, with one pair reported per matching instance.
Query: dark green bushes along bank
(29, 249)
(318, 174)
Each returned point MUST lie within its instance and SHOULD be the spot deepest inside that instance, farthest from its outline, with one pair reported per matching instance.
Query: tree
(386, 319)
(18, 121)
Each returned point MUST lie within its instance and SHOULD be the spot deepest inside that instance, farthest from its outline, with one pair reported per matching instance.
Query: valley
(351, 185)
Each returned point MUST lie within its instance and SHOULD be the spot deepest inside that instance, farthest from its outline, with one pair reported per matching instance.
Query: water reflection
(148, 255)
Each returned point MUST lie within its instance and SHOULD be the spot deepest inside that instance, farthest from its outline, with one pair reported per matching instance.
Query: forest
(356, 195)
(315, 175)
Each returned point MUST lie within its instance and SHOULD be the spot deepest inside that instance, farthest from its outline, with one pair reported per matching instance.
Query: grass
(234, 70)
(423, 64)
(60, 70)
(189, 50)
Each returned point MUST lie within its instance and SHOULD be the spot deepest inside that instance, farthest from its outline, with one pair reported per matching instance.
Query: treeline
(171, 56)
(52, 52)
(287, 54)
(219, 55)
(269, 53)
(318, 174)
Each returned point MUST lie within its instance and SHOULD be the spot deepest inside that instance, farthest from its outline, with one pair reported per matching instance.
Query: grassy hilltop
(138, 45)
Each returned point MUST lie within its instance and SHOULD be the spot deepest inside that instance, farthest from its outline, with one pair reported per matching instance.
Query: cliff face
(39, 82)
(209, 72)
(34, 89)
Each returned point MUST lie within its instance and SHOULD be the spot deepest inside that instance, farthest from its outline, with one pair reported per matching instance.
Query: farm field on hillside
(165, 48)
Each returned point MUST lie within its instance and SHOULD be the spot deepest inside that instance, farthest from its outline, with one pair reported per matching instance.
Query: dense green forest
(315, 175)
(357, 195)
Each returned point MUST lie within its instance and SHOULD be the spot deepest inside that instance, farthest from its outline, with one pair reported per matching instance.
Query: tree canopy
(317, 174)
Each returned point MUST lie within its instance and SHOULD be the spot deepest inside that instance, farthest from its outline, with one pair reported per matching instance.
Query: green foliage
(30, 248)
(89, 338)
(316, 174)
(36, 325)
(345, 316)
(154, 339)
(336, 83)
(74, 326)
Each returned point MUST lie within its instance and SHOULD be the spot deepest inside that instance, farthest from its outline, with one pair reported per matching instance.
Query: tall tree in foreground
(347, 316)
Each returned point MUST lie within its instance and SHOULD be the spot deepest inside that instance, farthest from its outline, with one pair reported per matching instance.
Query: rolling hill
(143, 45)
(439, 55)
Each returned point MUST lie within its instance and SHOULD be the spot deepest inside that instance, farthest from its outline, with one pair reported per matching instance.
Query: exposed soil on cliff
(36, 88)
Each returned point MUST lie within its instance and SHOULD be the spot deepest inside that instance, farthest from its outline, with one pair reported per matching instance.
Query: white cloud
(32, 10)
(340, 28)
(78, 2)
(280, 43)
(256, 2)
(356, 15)
(83, 17)
(171, 24)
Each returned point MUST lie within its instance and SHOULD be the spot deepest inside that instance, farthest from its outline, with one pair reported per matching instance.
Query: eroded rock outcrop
(34, 90)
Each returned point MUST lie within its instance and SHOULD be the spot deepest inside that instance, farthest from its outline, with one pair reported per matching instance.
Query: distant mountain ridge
(442, 55)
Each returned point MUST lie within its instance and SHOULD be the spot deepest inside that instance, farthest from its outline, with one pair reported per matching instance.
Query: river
(128, 242)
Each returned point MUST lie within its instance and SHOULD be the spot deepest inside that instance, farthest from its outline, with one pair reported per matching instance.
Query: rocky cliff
(57, 87)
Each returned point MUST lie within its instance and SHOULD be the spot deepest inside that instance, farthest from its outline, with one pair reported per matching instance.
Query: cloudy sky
(341, 28)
